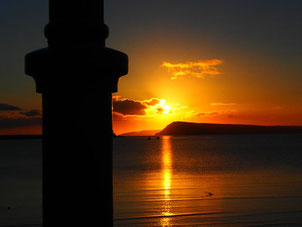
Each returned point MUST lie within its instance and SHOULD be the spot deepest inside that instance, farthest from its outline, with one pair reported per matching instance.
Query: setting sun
(161, 107)
(151, 113)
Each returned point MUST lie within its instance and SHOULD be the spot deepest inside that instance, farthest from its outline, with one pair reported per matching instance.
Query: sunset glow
(207, 68)
(151, 113)
(166, 177)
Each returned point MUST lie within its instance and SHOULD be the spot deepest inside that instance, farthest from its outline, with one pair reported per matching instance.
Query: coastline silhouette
(189, 128)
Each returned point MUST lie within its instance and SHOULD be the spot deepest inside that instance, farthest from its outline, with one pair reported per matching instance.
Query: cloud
(207, 114)
(128, 107)
(31, 113)
(140, 108)
(223, 104)
(14, 117)
(160, 110)
(276, 108)
(117, 116)
(198, 69)
(152, 102)
(8, 123)
(7, 107)
(228, 113)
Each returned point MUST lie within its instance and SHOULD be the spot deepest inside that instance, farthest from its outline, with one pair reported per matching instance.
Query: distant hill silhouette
(188, 128)
(141, 133)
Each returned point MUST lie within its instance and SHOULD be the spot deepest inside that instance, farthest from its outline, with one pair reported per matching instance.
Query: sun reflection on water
(166, 152)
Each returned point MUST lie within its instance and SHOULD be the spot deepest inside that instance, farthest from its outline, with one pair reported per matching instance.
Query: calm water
(244, 180)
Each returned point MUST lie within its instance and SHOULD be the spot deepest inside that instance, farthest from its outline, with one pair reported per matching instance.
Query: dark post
(76, 75)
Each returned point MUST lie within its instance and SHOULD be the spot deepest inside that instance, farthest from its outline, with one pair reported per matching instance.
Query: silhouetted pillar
(76, 75)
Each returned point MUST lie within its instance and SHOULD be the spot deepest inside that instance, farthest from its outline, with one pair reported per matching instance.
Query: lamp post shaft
(76, 75)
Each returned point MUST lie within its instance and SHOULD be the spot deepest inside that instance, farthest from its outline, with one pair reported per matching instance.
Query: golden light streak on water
(166, 152)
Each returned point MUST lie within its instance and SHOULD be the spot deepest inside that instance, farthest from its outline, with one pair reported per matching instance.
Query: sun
(165, 109)
(158, 109)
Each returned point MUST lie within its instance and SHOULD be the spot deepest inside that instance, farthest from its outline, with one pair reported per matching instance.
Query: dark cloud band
(7, 107)
(129, 107)
(8, 123)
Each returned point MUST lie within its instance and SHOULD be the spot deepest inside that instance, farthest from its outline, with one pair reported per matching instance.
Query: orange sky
(200, 87)
(175, 82)
(198, 61)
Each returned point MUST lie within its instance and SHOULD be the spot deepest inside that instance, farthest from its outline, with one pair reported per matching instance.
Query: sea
(220, 180)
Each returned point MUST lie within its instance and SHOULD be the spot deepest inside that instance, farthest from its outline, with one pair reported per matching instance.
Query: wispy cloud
(9, 123)
(32, 113)
(207, 114)
(7, 107)
(12, 117)
(198, 69)
(223, 104)
(228, 114)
